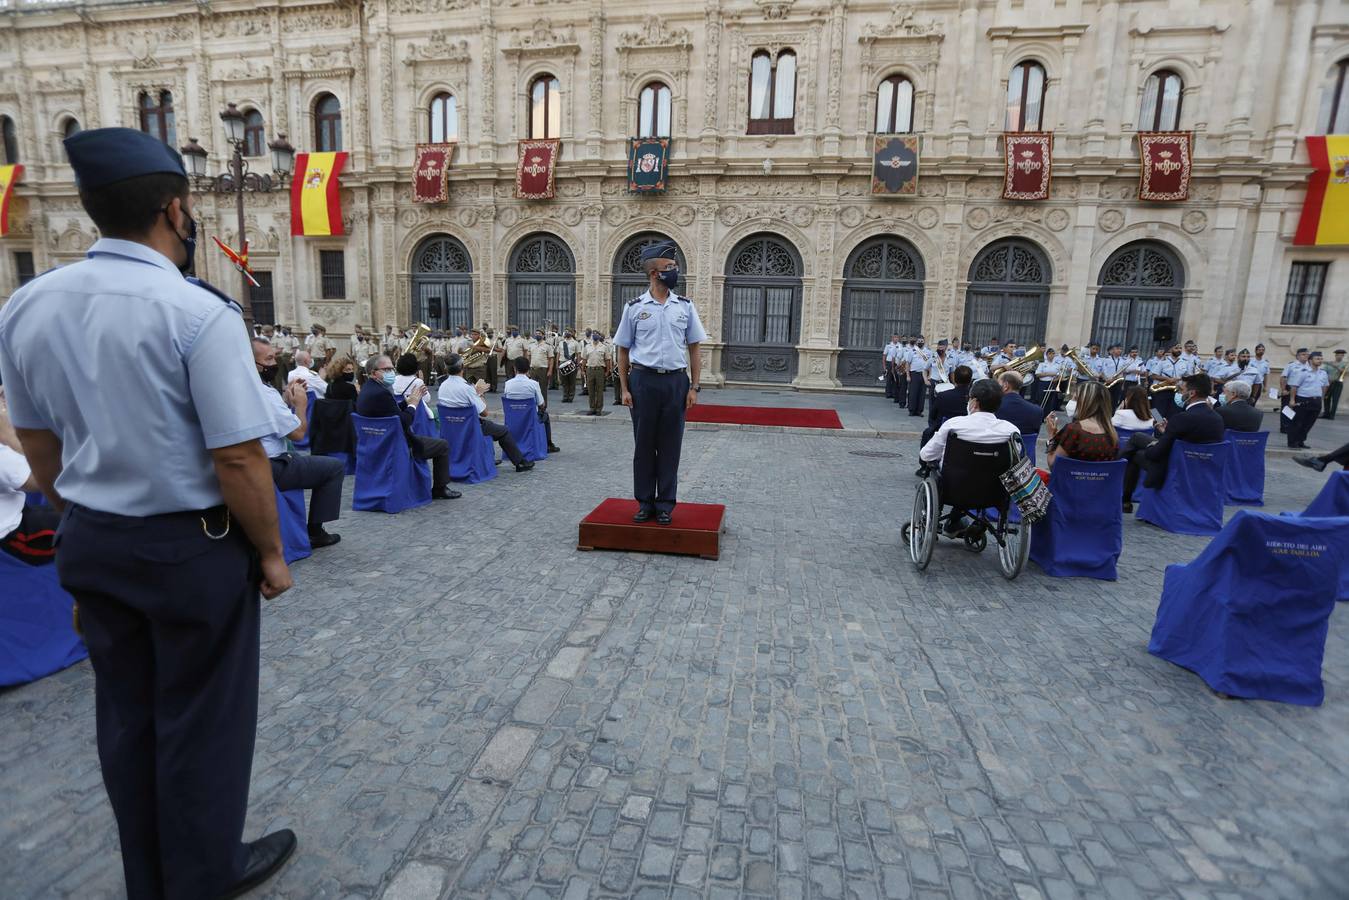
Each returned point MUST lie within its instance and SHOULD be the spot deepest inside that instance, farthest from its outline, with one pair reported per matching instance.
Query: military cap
(104, 156)
(659, 250)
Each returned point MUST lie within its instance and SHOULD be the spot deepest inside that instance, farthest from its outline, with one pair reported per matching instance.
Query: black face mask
(669, 278)
(189, 242)
(347, 377)
(268, 373)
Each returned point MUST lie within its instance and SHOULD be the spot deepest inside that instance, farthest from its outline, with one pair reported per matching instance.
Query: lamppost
(239, 179)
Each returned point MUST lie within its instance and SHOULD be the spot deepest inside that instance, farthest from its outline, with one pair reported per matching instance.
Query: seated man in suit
(1026, 416)
(1196, 423)
(1234, 407)
(376, 401)
(949, 403)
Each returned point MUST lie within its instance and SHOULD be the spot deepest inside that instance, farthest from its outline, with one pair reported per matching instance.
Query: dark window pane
(1306, 284)
(11, 137)
(333, 274)
(23, 265)
(255, 143)
(261, 299)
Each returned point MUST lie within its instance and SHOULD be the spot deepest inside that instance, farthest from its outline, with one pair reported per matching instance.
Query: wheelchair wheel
(923, 527)
(1014, 549)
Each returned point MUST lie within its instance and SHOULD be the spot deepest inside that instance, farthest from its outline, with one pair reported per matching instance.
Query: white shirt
(456, 392)
(522, 387)
(403, 385)
(977, 428)
(1127, 418)
(312, 381)
(14, 473)
(284, 420)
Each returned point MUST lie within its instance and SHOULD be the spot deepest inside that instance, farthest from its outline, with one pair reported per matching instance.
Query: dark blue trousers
(658, 432)
(917, 393)
(171, 619)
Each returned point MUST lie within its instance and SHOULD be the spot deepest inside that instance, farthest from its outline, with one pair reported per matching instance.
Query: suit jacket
(949, 404)
(1240, 417)
(1026, 416)
(1198, 424)
(376, 401)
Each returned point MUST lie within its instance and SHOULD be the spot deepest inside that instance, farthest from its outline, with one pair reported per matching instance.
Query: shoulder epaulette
(207, 286)
(632, 301)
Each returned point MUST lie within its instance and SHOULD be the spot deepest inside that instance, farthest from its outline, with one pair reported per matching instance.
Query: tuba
(419, 336)
(476, 355)
(1081, 366)
(1022, 365)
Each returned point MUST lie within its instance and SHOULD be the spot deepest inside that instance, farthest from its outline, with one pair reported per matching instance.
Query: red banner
(431, 173)
(1026, 175)
(536, 169)
(8, 176)
(1165, 160)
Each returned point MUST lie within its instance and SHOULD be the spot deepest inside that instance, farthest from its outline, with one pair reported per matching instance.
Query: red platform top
(691, 516)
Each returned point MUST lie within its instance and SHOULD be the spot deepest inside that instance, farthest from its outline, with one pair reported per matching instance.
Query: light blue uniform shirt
(1294, 372)
(657, 335)
(1261, 366)
(163, 375)
(1311, 384)
(920, 360)
(283, 420)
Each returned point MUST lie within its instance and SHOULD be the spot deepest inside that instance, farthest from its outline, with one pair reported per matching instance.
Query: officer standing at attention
(659, 372)
(169, 523)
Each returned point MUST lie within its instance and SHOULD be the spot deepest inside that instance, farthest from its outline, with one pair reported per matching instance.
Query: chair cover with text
(1250, 614)
(330, 431)
(1083, 533)
(388, 478)
(1191, 500)
(1244, 475)
(1029, 441)
(471, 457)
(1333, 499)
(294, 524)
(303, 443)
(36, 634)
(422, 423)
(522, 419)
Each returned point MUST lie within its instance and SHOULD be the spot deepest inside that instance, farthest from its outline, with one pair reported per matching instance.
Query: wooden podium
(695, 529)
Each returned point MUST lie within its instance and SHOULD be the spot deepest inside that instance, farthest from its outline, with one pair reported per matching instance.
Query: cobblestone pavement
(457, 702)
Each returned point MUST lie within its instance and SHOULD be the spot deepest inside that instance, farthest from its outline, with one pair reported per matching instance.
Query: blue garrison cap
(661, 250)
(104, 156)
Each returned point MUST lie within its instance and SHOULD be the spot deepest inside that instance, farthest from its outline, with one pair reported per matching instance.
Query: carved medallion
(1111, 220)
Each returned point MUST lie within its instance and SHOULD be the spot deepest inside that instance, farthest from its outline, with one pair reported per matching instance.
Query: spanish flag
(1325, 212)
(315, 205)
(8, 176)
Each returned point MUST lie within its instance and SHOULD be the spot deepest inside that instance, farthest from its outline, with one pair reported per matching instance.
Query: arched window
(1334, 116)
(1025, 97)
(542, 284)
(894, 106)
(443, 119)
(156, 114)
(442, 282)
(882, 295)
(545, 107)
(772, 93)
(1140, 283)
(653, 118)
(1161, 102)
(1008, 296)
(11, 138)
(761, 310)
(327, 124)
(71, 127)
(255, 142)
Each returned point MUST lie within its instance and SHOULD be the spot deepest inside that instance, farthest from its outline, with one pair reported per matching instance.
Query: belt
(678, 371)
(214, 522)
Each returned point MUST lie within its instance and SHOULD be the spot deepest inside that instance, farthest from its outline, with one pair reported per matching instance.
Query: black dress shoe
(445, 494)
(662, 518)
(1311, 462)
(321, 538)
(554, 448)
(524, 466)
(266, 856)
(643, 515)
(1127, 507)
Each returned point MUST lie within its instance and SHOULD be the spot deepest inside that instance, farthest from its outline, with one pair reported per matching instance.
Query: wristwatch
(696, 388)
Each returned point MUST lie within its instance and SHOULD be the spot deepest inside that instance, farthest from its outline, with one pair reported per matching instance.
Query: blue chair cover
(36, 634)
(1333, 499)
(522, 420)
(294, 524)
(1084, 531)
(34, 498)
(348, 459)
(471, 456)
(1029, 440)
(303, 443)
(1244, 474)
(1191, 500)
(387, 476)
(422, 423)
(1249, 615)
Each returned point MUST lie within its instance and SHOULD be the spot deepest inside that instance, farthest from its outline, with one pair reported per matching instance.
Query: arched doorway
(442, 283)
(882, 295)
(629, 279)
(1008, 297)
(542, 283)
(762, 310)
(1139, 283)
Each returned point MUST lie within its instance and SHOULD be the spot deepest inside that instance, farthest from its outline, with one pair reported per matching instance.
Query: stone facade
(1253, 72)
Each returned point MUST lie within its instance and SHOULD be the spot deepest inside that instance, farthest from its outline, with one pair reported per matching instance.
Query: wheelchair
(968, 484)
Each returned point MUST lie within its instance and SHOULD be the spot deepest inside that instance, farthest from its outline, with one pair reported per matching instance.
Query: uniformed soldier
(889, 366)
(1110, 365)
(493, 358)
(613, 369)
(542, 360)
(1213, 362)
(597, 363)
(568, 349)
(515, 346)
(169, 524)
(1335, 372)
(918, 363)
(478, 372)
(1261, 366)
(1289, 379)
(659, 369)
(1045, 374)
(1308, 395)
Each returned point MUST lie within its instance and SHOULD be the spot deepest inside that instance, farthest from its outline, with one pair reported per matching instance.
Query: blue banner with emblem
(894, 165)
(647, 162)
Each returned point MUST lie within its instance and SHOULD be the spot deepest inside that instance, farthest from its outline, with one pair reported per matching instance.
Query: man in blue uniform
(150, 449)
(658, 370)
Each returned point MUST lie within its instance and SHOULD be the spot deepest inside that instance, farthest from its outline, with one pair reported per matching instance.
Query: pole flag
(239, 259)
(8, 176)
(1325, 212)
(315, 204)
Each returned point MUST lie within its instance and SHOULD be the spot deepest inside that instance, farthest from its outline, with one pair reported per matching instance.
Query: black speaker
(433, 308)
(1163, 330)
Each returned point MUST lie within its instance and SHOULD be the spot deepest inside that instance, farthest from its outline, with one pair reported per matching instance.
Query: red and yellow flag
(1325, 212)
(8, 175)
(315, 205)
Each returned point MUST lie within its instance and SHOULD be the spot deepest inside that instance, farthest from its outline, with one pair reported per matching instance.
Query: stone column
(594, 136)
(1238, 142)
(487, 85)
(1297, 58)
(1071, 319)
(964, 80)
(712, 69)
(832, 131)
(1261, 280)
(1108, 27)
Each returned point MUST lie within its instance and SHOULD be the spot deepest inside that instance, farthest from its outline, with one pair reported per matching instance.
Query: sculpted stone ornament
(1111, 220)
(1194, 221)
(1057, 219)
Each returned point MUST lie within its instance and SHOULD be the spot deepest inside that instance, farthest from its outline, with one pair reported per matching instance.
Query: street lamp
(238, 179)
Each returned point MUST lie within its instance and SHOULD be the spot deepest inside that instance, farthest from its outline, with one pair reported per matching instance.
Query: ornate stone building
(799, 273)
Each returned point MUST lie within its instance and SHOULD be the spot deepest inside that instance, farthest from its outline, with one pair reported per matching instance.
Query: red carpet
(764, 415)
(692, 516)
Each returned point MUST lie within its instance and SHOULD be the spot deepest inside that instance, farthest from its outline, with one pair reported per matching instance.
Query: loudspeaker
(1163, 330)
(433, 307)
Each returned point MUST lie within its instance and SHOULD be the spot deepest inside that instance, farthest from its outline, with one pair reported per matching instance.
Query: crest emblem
(314, 179)
(646, 163)
(644, 315)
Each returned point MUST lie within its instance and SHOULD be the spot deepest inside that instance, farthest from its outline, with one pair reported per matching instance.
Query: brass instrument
(1081, 366)
(476, 355)
(419, 336)
(1161, 388)
(1119, 376)
(1022, 365)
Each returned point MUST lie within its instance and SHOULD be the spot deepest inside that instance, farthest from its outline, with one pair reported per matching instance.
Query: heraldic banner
(431, 172)
(1325, 212)
(894, 165)
(1026, 176)
(536, 169)
(8, 176)
(648, 159)
(315, 202)
(1165, 159)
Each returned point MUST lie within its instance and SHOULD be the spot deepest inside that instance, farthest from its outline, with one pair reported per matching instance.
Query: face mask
(669, 278)
(1175, 354)
(189, 242)
(538, 336)
(387, 378)
(515, 333)
(348, 377)
(1071, 409)
(920, 343)
(267, 373)
(1222, 399)
(1182, 398)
